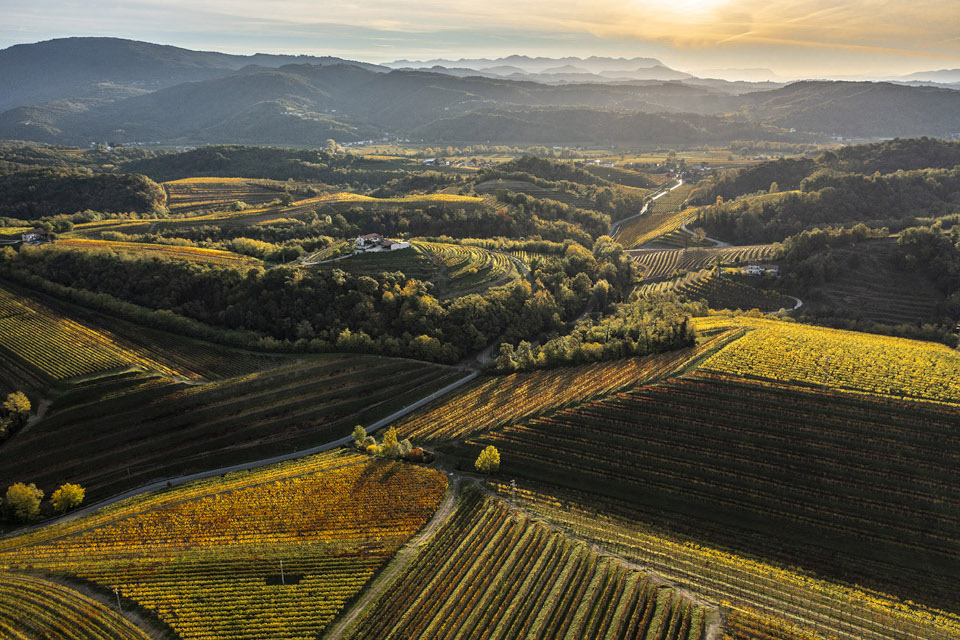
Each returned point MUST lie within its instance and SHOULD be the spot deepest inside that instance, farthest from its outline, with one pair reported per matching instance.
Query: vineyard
(528, 188)
(851, 361)
(499, 400)
(206, 558)
(650, 226)
(32, 608)
(145, 250)
(122, 433)
(663, 263)
(799, 477)
(192, 195)
(58, 348)
(493, 573)
(721, 292)
(465, 267)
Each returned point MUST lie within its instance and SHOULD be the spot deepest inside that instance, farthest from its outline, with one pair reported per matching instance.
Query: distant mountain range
(80, 90)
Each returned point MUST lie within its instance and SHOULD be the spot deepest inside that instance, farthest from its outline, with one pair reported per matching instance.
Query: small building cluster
(756, 269)
(373, 242)
(36, 236)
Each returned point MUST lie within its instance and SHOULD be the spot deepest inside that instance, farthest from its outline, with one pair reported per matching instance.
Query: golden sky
(792, 37)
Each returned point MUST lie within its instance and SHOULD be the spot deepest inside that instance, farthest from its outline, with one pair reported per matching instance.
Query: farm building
(373, 242)
(36, 236)
(755, 269)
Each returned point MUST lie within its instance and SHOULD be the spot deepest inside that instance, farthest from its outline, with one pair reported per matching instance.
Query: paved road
(178, 480)
(716, 243)
(613, 227)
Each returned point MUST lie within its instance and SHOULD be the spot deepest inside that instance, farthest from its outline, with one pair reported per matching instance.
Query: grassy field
(494, 573)
(206, 557)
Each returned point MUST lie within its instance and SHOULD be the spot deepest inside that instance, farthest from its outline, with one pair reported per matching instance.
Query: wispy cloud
(728, 31)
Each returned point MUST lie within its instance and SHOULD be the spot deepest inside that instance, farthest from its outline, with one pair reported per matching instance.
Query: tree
(405, 448)
(488, 461)
(17, 403)
(359, 435)
(699, 235)
(24, 501)
(389, 446)
(67, 497)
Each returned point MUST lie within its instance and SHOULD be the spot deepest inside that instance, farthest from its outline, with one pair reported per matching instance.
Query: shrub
(67, 497)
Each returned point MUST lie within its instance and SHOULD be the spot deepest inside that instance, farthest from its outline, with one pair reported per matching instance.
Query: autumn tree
(68, 496)
(359, 435)
(389, 446)
(488, 461)
(24, 501)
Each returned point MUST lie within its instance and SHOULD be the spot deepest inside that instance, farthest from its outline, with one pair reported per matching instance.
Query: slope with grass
(206, 557)
(494, 573)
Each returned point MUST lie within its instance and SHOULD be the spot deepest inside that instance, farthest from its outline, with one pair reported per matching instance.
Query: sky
(793, 38)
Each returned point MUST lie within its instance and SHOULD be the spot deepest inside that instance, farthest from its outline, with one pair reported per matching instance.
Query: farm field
(663, 263)
(871, 286)
(652, 225)
(206, 557)
(497, 400)
(531, 189)
(722, 292)
(799, 477)
(32, 607)
(464, 268)
(169, 252)
(191, 195)
(493, 573)
(831, 358)
(123, 433)
(56, 348)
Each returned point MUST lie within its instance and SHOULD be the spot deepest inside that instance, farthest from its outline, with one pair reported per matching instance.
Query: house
(755, 269)
(36, 236)
(374, 242)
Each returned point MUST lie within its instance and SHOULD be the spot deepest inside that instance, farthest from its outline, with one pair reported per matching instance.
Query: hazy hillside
(92, 67)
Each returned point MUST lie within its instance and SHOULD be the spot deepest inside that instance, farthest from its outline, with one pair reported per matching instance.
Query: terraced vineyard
(31, 607)
(466, 267)
(796, 476)
(722, 292)
(206, 557)
(170, 252)
(662, 263)
(846, 360)
(497, 400)
(124, 433)
(191, 195)
(493, 573)
(57, 348)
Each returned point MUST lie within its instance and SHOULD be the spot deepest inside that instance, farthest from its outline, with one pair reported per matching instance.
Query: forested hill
(79, 90)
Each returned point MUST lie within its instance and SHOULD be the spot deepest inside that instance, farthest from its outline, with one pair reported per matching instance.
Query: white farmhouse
(374, 242)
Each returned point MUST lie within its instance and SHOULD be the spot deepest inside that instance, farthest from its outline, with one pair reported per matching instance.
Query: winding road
(615, 225)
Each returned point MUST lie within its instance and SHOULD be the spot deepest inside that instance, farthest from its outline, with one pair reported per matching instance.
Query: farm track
(400, 562)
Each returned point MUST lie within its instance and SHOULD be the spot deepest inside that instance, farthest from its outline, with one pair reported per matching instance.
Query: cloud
(720, 29)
